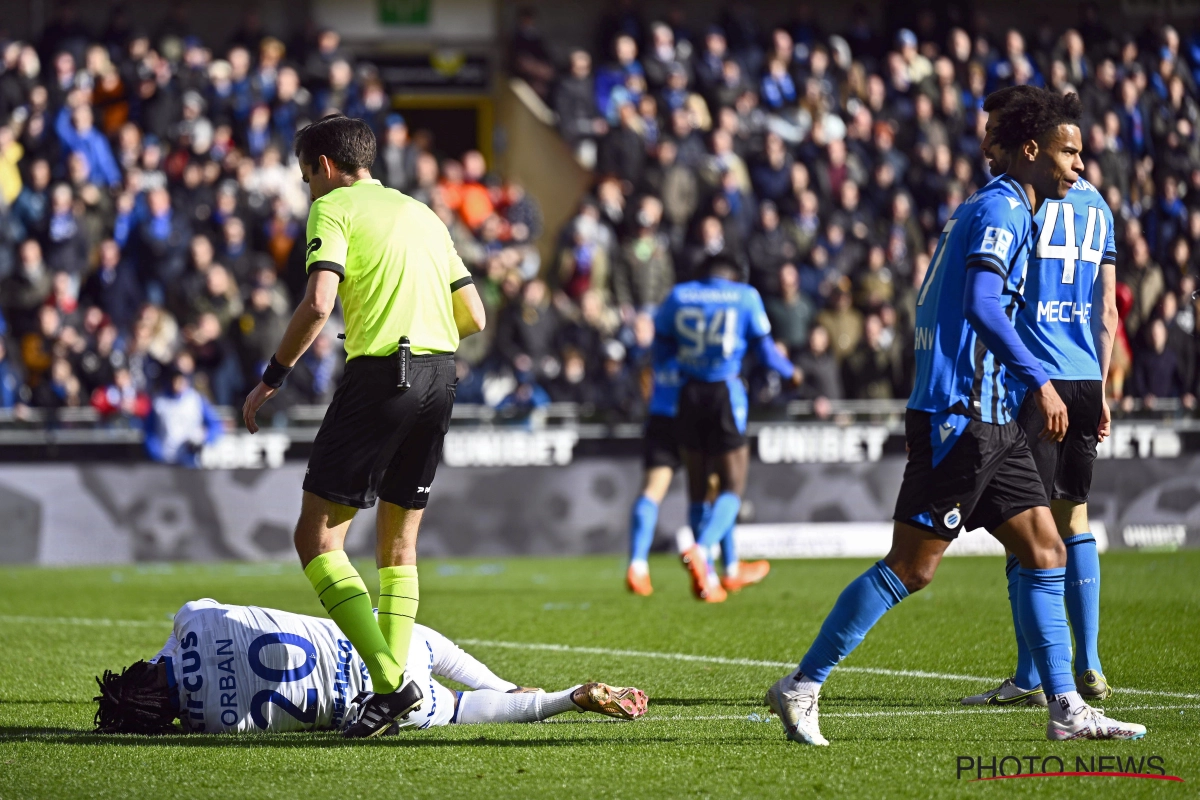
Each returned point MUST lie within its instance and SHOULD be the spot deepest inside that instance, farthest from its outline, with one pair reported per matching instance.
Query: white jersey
(245, 668)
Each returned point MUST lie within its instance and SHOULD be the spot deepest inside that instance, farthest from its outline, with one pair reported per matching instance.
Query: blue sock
(721, 520)
(1044, 624)
(1026, 675)
(1083, 600)
(729, 555)
(698, 514)
(860, 606)
(641, 528)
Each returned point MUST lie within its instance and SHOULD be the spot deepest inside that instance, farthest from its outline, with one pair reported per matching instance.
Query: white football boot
(797, 707)
(1086, 722)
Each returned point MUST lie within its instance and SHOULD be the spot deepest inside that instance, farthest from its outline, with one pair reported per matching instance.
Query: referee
(391, 261)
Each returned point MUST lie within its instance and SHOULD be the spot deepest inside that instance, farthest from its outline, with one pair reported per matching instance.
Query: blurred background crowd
(152, 217)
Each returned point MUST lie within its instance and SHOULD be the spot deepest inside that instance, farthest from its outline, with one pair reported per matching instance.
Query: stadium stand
(152, 221)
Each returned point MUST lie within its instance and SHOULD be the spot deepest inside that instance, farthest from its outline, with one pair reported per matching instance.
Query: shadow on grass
(701, 701)
(324, 740)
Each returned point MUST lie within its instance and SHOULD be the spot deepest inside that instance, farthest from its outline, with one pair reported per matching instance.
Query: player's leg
(1072, 485)
(451, 661)
(908, 567)
(643, 523)
(1029, 532)
(696, 559)
(319, 536)
(486, 706)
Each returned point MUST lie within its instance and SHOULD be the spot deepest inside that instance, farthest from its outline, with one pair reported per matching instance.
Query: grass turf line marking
(602, 651)
(750, 662)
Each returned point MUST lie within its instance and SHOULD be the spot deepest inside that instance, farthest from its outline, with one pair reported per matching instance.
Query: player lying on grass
(234, 669)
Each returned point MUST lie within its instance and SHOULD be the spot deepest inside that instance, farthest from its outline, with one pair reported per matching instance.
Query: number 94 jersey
(243, 668)
(712, 321)
(1074, 236)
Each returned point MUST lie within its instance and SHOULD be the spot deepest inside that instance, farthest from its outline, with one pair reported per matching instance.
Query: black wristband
(275, 373)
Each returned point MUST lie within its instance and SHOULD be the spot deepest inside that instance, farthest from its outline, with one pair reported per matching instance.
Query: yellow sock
(398, 598)
(345, 598)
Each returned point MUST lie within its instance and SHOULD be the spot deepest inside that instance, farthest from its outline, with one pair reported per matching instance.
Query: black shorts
(660, 444)
(1066, 466)
(986, 478)
(377, 442)
(712, 416)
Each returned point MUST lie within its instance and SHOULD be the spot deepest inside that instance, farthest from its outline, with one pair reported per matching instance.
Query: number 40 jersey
(243, 668)
(1074, 237)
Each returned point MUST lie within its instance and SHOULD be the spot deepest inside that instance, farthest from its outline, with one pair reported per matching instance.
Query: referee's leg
(396, 530)
(320, 535)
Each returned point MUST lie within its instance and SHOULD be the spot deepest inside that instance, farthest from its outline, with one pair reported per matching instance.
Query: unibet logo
(313, 247)
(953, 518)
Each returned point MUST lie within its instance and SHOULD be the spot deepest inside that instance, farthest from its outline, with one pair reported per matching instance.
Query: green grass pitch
(892, 735)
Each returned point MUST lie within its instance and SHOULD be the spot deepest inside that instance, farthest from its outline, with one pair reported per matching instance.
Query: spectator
(820, 375)
(575, 103)
(1145, 280)
(530, 60)
(397, 157)
(10, 378)
(769, 249)
(121, 398)
(316, 375)
(64, 240)
(527, 331)
(74, 127)
(1156, 371)
(181, 422)
(872, 370)
(790, 311)
(23, 292)
(645, 272)
(844, 324)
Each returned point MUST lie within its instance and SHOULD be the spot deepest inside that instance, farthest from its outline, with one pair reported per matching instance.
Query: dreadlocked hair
(133, 702)
(1031, 115)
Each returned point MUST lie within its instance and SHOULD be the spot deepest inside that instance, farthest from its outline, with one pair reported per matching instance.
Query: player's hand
(254, 401)
(1054, 411)
(1105, 428)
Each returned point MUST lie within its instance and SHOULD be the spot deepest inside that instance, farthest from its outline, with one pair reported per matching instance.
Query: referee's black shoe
(377, 712)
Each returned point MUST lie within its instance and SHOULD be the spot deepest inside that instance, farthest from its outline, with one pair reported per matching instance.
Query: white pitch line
(603, 651)
(749, 662)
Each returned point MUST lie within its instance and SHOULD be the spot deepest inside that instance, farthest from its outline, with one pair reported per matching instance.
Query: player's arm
(987, 265)
(666, 345)
(1104, 333)
(328, 243)
(758, 333)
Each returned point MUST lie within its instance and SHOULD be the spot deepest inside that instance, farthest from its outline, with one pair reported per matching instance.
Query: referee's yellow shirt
(397, 266)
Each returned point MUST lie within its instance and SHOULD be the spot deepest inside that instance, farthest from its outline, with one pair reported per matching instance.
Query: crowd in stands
(152, 217)
(828, 161)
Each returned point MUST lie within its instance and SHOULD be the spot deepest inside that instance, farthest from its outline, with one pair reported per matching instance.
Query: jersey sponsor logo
(313, 246)
(996, 240)
(1064, 311)
(952, 519)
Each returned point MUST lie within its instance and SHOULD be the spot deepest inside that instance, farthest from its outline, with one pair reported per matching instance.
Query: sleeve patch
(996, 240)
(313, 246)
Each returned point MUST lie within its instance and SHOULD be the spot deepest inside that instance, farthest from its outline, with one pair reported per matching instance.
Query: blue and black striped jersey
(956, 372)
